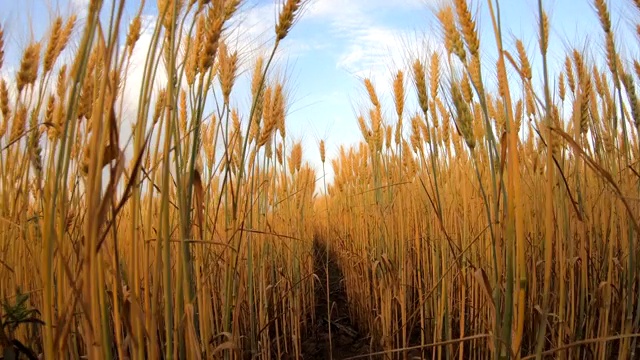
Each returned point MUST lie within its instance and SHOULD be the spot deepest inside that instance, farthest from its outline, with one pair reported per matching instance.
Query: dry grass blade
(581, 343)
(602, 172)
(474, 219)
(435, 344)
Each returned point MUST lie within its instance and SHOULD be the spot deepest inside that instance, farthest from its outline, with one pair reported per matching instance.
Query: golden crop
(481, 224)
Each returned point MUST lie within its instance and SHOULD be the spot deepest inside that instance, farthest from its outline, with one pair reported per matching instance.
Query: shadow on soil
(346, 340)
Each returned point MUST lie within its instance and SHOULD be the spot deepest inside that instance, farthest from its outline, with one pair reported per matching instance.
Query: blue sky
(338, 42)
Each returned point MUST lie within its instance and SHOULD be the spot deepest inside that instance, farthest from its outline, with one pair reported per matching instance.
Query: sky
(335, 44)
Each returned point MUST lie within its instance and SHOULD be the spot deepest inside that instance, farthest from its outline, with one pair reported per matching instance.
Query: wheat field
(472, 221)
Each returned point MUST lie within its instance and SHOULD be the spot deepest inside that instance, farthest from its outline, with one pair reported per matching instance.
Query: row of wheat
(192, 237)
(505, 223)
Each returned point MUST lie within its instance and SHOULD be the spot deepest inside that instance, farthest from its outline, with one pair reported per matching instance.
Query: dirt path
(346, 340)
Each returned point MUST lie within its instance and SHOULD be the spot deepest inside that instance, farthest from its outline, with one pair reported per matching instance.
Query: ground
(346, 341)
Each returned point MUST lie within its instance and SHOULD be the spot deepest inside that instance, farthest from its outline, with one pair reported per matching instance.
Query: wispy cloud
(80, 4)
(341, 10)
(368, 43)
(134, 75)
(252, 33)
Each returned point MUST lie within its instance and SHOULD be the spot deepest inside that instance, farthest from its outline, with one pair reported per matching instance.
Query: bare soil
(346, 339)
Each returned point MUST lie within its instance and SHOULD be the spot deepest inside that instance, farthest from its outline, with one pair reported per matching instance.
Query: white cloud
(371, 48)
(80, 3)
(251, 30)
(342, 9)
(367, 39)
(134, 75)
(79, 7)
